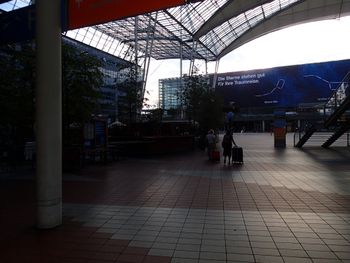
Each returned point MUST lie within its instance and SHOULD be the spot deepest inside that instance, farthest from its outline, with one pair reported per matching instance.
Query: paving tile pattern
(280, 206)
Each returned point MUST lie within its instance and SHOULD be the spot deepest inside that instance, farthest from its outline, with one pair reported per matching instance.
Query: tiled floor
(285, 205)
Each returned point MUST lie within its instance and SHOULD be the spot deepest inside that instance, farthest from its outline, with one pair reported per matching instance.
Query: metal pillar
(181, 115)
(49, 114)
(192, 60)
(148, 52)
(217, 63)
(263, 125)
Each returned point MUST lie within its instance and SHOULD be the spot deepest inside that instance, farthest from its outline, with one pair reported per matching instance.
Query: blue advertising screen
(282, 86)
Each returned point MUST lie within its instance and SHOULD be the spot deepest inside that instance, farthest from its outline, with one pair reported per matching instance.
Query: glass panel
(172, 26)
(15, 4)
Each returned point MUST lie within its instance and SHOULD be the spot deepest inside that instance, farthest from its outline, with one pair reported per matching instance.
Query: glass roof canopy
(202, 30)
(174, 32)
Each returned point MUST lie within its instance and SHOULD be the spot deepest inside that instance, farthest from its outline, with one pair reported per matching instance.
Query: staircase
(338, 103)
(306, 136)
(334, 109)
(337, 134)
(320, 137)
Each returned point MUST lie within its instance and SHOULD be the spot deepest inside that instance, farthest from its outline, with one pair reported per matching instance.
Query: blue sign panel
(283, 86)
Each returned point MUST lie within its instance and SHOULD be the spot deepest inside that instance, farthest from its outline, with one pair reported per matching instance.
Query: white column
(215, 77)
(263, 125)
(49, 114)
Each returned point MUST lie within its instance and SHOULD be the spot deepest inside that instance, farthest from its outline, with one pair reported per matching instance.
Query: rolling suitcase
(237, 155)
(215, 156)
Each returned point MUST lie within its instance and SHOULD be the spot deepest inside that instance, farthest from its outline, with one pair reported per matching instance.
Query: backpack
(226, 140)
(229, 116)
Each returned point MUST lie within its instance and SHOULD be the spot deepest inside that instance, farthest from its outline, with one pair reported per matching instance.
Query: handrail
(320, 137)
(337, 98)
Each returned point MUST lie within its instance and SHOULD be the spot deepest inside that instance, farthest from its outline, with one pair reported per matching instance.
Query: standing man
(211, 143)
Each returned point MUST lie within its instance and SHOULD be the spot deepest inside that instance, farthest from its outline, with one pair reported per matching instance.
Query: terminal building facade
(115, 71)
(18, 126)
(169, 95)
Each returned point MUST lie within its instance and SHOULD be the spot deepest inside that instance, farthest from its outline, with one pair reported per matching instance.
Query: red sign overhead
(82, 13)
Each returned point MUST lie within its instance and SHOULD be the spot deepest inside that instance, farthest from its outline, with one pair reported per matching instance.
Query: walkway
(280, 206)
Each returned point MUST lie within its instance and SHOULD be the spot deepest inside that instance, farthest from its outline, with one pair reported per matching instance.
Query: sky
(307, 43)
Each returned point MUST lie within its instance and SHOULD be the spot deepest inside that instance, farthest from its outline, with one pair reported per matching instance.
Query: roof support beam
(184, 28)
(306, 11)
(229, 10)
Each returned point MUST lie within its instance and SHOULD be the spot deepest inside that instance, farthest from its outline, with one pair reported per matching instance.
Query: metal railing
(332, 110)
(337, 98)
(319, 137)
